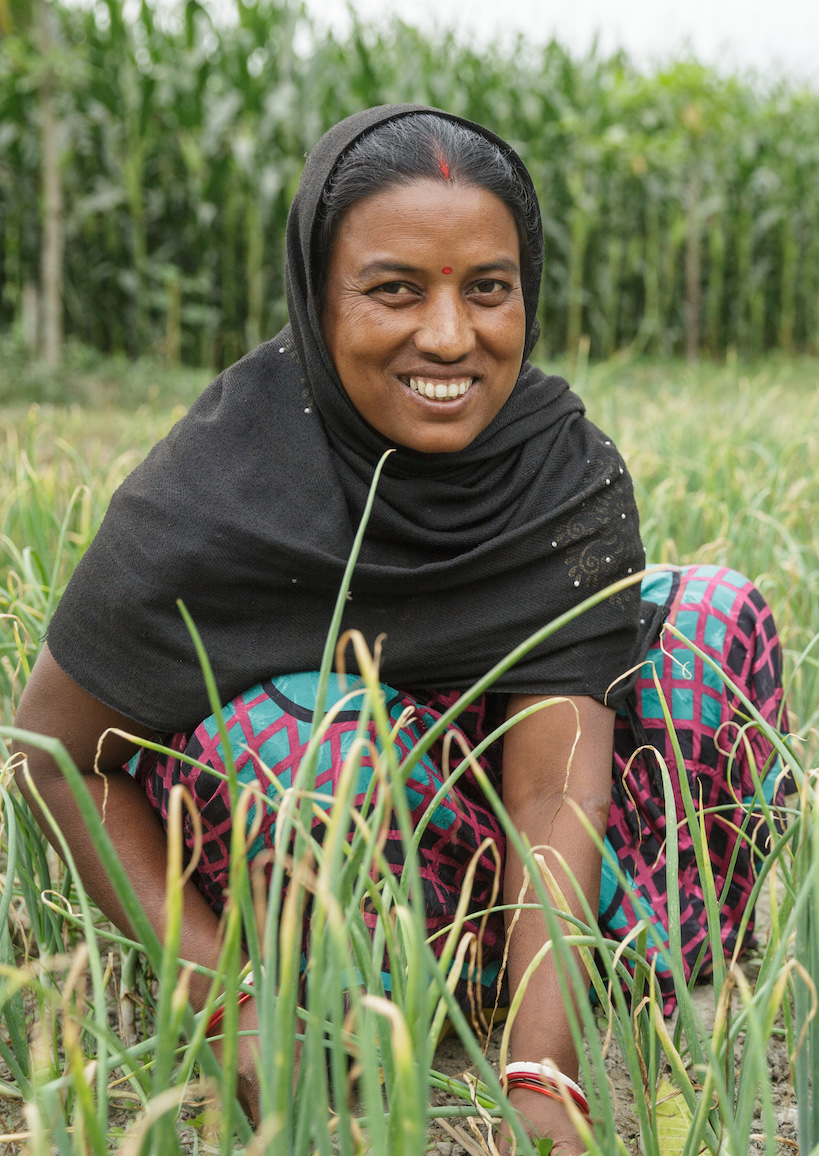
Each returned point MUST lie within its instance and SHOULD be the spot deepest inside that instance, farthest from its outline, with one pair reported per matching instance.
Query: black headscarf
(248, 508)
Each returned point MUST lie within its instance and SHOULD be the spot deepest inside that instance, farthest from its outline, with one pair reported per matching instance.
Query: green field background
(681, 206)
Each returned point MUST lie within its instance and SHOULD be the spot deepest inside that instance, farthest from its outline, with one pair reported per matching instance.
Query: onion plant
(98, 1047)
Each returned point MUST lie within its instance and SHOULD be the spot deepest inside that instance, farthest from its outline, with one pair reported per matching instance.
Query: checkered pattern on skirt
(718, 609)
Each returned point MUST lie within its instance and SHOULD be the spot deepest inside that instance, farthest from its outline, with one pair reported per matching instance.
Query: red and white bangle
(219, 1014)
(548, 1081)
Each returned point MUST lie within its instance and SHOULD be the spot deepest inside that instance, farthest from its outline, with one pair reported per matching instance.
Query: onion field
(98, 1051)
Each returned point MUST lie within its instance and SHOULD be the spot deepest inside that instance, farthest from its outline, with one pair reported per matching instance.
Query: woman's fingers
(247, 1093)
(247, 1088)
(247, 1077)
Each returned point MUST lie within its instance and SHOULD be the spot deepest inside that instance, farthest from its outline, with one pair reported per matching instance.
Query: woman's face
(424, 315)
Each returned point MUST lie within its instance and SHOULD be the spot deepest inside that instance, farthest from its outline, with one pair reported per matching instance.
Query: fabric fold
(247, 512)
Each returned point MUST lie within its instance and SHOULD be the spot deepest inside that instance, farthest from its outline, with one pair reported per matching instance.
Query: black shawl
(248, 508)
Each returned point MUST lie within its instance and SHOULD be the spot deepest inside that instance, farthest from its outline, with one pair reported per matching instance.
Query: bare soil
(452, 1060)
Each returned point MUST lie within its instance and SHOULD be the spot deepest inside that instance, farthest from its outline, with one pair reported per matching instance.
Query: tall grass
(724, 461)
(93, 1074)
(680, 206)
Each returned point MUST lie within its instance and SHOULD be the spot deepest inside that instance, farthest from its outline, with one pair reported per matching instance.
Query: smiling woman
(414, 258)
(427, 357)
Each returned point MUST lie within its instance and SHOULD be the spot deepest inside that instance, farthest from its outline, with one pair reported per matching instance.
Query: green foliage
(59, 961)
(390, 1041)
(724, 467)
(723, 459)
(680, 206)
(91, 379)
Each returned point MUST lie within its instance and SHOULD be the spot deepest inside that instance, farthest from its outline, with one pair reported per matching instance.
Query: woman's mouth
(439, 390)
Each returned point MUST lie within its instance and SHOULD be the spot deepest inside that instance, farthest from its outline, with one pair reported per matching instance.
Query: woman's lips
(441, 390)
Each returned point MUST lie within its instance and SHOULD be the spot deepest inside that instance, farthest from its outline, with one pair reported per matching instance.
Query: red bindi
(446, 269)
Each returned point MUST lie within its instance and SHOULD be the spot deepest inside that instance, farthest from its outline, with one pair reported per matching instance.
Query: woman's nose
(445, 332)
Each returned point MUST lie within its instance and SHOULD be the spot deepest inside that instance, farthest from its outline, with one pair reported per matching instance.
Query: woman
(414, 258)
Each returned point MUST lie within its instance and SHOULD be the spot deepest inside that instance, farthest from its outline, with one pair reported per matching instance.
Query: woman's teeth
(440, 390)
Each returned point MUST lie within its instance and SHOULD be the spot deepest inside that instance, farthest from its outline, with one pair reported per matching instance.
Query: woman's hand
(53, 704)
(543, 1117)
(247, 1082)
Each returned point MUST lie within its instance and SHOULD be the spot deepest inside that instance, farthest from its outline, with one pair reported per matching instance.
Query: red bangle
(529, 1087)
(534, 1082)
(219, 1014)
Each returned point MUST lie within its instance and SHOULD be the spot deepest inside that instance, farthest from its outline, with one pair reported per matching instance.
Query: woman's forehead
(429, 221)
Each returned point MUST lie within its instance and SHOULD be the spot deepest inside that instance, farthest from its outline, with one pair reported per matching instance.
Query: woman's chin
(432, 426)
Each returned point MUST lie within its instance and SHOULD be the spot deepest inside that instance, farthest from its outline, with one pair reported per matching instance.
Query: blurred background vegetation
(148, 156)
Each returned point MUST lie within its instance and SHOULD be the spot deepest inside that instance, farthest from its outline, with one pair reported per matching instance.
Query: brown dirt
(452, 1060)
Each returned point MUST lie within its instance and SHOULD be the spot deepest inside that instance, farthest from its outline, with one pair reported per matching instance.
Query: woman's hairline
(321, 248)
(321, 258)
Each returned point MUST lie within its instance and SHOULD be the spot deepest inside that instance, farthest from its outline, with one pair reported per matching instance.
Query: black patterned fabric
(247, 512)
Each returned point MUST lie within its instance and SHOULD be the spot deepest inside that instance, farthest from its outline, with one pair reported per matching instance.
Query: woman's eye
(393, 289)
(489, 287)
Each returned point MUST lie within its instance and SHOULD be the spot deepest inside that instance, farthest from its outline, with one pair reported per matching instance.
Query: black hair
(422, 146)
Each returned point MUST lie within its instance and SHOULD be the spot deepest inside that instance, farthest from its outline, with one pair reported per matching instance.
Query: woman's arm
(53, 704)
(536, 793)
